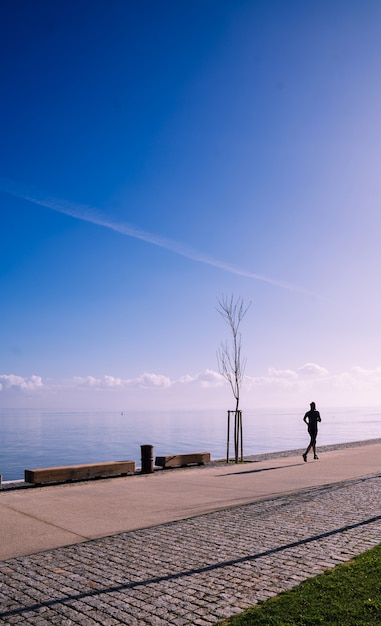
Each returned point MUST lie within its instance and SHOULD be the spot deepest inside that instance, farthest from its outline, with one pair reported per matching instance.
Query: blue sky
(156, 155)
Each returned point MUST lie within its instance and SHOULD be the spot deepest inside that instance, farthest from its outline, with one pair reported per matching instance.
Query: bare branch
(230, 362)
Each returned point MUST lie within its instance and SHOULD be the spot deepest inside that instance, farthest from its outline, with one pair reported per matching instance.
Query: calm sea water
(43, 438)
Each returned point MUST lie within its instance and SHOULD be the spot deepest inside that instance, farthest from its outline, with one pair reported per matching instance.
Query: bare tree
(231, 364)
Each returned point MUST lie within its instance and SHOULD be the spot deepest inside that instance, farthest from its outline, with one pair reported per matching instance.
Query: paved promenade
(236, 536)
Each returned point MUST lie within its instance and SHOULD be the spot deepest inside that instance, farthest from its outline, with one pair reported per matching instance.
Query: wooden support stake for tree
(228, 439)
(237, 437)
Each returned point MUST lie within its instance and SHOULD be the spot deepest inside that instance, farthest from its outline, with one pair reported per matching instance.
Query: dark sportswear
(312, 418)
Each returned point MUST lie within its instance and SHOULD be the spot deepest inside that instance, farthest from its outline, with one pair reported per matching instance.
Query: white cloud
(87, 381)
(20, 382)
(148, 380)
(312, 370)
(373, 374)
(277, 379)
(207, 379)
(282, 374)
(187, 379)
(99, 383)
(359, 378)
(111, 381)
(211, 379)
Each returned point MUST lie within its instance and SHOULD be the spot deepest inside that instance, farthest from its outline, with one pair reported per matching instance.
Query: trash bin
(147, 459)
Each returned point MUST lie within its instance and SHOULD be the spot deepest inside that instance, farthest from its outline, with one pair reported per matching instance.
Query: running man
(311, 418)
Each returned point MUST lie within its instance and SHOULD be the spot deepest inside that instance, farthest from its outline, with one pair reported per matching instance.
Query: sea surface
(45, 438)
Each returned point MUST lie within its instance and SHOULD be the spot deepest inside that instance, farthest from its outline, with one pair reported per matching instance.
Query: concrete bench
(79, 472)
(182, 460)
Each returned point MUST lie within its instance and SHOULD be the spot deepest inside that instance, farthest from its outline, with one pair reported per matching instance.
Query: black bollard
(147, 459)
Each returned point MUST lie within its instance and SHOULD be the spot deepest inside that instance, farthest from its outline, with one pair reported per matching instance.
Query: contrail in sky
(89, 214)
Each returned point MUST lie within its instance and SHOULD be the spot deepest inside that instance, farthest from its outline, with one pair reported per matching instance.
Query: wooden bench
(182, 460)
(79, 472)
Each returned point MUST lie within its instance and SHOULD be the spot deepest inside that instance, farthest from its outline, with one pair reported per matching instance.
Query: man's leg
(306, 452)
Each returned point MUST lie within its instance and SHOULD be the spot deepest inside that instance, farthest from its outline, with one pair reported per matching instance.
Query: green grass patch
(348, 595)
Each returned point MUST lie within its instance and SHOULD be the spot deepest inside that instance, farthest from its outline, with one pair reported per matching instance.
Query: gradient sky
(156, 155)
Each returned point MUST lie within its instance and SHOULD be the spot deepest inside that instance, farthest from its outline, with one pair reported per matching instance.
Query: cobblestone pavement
(197, 571)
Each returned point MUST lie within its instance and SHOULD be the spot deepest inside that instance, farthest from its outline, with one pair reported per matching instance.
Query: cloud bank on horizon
(93, 216)
(300, 383)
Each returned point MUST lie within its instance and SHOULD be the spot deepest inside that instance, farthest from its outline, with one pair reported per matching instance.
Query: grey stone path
(197, 571)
